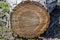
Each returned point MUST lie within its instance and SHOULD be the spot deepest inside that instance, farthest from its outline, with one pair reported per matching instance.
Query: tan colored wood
(29, 19)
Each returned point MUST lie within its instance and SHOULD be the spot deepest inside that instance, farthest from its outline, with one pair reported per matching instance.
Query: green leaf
(2, 39)
(4, 6)
(1, 15)
(31, 39)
